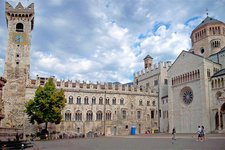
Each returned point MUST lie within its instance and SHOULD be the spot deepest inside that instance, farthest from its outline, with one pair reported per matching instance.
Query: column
(219, 119)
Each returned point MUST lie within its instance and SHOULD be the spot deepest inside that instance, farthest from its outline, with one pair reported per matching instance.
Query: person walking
(202, 134)
(199, 133)
(174, 134)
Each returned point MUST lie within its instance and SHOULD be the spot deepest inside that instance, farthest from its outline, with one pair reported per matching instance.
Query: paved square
(156, 142)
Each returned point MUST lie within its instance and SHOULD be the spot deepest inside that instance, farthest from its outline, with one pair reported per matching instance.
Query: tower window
(17, 63)
(215, 43)
(202, 50)
(19, 27)
(17, 55)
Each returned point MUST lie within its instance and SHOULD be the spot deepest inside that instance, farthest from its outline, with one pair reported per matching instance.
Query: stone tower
(148, 62)
(20, 22)
(208, 37)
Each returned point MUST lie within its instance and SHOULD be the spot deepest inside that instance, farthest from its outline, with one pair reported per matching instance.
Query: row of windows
(186, 77)
(212, 31)
(93, 100)
(218, 83)
(107, 101)
(200, 34)
(99, 115)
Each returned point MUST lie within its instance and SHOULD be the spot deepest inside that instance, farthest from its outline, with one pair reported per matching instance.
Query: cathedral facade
(195, 93)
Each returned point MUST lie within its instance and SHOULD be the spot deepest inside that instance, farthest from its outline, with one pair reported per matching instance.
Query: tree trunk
(46, 126)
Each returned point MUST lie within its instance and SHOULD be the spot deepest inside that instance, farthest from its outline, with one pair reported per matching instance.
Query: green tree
(46, 105)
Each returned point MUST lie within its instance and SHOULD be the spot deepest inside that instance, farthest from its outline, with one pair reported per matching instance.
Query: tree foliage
(46, 105)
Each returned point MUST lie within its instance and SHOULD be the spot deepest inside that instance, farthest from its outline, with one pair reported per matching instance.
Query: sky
(107, 40)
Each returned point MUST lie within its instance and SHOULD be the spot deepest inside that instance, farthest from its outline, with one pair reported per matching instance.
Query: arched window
(67, 115)
(99, 115)
(86, 100)
(93, 100)
(78, 116)
(140, 102)
(100, 101)
(222, 82)
(107, 101)
(121, 101)
(114, 101)
(70, 99)
(138, 114)
(153, 103)
(198, 73)
(124, 114)
(212, 84)
(108, 115)
(78, 100)
(19, 27)
(218, 83)
(89, 116)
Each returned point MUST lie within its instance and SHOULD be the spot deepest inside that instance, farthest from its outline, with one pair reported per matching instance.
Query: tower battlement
(77, 85)
(156, 68)
(19, 8)
(20, 13)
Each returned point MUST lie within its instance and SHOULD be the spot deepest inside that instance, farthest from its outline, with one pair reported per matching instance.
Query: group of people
(201, 133)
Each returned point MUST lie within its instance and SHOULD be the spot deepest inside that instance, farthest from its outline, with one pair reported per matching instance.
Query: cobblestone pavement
(143, 142)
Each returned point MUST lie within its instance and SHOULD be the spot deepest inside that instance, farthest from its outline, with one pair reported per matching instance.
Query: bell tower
(148, 62)
(20, 23)
(208, 37)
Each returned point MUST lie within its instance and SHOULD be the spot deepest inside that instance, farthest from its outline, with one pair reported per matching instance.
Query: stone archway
(222, 110)
(220, 119)
(217, 121)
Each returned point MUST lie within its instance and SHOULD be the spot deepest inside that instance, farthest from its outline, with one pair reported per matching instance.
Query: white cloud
(117, 32)
(98, 40)
(169, 41)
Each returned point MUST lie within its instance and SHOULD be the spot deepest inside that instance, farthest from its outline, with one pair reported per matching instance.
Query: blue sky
(106, 40)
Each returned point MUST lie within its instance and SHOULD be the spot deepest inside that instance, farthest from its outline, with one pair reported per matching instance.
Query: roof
(208, 20)
(184, 51)
(148, 56)
(221, 51)
(219, 73)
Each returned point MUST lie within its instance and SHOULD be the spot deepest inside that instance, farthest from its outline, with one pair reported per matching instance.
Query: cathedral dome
(208, 37)
(208, 20)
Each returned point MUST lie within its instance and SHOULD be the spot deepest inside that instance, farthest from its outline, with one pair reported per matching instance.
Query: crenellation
(62, 84)
(154, 70)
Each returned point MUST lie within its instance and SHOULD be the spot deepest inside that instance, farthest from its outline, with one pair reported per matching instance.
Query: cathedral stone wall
(190, 111)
